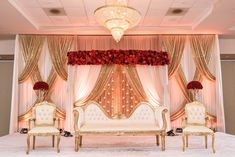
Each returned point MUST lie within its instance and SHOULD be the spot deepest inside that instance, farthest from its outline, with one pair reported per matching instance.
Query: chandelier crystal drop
(117, 16)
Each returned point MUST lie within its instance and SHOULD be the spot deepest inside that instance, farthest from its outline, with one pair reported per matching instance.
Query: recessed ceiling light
(177, 11)
(55, 11)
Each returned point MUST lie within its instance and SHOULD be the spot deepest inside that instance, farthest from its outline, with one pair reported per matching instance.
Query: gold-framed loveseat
(145, 119)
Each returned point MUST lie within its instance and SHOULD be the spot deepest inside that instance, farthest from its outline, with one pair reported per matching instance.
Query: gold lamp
(117, 16)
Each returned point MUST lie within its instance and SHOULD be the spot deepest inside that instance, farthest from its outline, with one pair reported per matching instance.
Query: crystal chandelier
(117, 17)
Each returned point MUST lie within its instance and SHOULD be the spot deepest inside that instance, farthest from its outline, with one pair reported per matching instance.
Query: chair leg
(58, 143)
(28, 144)
(187, 141)
(53, 140)
(157, 140)
(183, 139)
(77, 142)
(213, 143)
(34, 139)
(163, 141)
(206, 141)
(80, 144)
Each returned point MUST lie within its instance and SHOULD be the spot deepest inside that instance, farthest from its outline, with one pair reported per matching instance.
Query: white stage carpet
(119, 146)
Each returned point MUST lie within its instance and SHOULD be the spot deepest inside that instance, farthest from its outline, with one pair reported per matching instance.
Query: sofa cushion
(44, 130)
(118, 126)
(199, 129)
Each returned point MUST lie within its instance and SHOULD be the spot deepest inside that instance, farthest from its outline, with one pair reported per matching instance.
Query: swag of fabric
(121, 57)
(31, 47)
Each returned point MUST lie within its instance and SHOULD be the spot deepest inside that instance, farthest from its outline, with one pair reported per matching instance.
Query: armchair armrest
(160, 114)
(78, 118)
(210, 121)
(29, 122)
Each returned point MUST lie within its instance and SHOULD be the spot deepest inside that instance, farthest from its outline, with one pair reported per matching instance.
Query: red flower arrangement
(126, 57)
(194, 85)
(40, 85)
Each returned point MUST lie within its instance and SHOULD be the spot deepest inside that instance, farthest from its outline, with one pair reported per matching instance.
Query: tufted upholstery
(195, 113)
(143, 114)
(93, 114)
(92, 118)
(44, 130)
(44, 113)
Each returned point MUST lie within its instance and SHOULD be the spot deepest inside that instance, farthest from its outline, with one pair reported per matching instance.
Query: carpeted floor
(118, 146)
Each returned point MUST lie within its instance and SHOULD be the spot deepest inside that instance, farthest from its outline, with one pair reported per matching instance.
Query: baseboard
(227, 57)
(6, 57)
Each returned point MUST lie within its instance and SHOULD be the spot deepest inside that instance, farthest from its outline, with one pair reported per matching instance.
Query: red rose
(126, 57)
(40, 85)
(194, 85)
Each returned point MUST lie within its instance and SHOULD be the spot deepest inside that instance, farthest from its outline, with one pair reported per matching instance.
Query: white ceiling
(202, 16)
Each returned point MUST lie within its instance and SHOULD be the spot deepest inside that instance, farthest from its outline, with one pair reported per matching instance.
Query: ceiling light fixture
(117, 16)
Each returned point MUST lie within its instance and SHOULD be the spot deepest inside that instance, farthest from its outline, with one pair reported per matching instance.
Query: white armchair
(44, 124)
(196, 123)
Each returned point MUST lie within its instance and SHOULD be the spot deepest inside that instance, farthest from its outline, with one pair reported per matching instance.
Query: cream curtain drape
(154, 80)
(81, 82)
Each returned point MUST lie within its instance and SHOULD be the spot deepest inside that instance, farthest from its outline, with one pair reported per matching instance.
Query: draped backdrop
(116, 88)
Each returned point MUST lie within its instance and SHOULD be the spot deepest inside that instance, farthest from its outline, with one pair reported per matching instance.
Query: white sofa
(145, 119)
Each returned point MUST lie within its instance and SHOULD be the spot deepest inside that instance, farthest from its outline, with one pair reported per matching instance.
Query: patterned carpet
(119, 146)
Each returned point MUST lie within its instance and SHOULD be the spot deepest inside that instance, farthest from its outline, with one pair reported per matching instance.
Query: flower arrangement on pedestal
(42, 87)
(194, 87)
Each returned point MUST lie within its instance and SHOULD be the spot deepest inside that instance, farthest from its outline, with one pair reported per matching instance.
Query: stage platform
(118, 146)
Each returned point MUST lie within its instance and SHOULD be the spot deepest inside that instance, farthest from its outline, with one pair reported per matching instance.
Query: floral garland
(125, 57)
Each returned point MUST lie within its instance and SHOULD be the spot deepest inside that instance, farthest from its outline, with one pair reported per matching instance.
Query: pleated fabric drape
(31, 47)
(174, 45)
(59, 46)
(202, 46)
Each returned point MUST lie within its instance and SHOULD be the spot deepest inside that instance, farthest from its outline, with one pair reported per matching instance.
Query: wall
(6, 71)
(228, 76)
(227, 45)
(7, 46)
